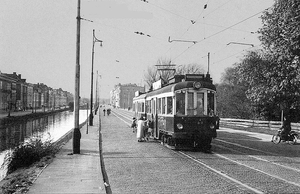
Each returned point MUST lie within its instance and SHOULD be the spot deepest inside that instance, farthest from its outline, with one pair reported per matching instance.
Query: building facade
(122, 95)
(8, 86)
(17, 95)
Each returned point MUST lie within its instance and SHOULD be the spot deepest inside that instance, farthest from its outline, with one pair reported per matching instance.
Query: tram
(183, 111)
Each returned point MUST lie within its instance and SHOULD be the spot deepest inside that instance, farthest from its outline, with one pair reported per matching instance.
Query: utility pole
(76, 131)
(96, 98)
(208, 55)
(92, 75)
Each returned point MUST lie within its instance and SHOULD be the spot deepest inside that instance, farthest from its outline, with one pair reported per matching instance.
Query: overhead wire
(217, 8)
(166, 10)
(224, 47)
(232, 55)
(222, 31)
(226, 28)
(190, 20)
(205, 6)
(129, 31)
(231, 26)
(194, 21)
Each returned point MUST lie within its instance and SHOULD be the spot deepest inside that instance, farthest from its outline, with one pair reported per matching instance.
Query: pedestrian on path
(108, 111)
(133, 125)
(141, 127)
(104, 111)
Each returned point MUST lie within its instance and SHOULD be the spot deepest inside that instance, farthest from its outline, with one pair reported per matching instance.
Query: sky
(38, 38)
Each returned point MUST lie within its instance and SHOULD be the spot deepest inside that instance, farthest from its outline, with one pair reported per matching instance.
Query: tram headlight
(179, 126)
(212, 126)
(197, 85)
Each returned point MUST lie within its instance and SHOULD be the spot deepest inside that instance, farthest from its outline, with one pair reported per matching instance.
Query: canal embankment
(19, 116)
(57, 126)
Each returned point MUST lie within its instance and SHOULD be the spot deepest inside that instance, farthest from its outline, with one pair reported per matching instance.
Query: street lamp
(92, 73)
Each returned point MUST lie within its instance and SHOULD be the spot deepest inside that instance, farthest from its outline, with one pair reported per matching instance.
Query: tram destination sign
(194, 77)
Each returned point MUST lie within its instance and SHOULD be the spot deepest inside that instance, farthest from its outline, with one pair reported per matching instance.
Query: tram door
(155, 119)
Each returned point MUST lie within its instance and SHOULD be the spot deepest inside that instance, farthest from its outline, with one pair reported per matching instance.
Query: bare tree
(164, 69)
(192, 68)
(151, 75)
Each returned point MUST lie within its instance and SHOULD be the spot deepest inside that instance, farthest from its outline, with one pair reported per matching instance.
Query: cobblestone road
(148, 167)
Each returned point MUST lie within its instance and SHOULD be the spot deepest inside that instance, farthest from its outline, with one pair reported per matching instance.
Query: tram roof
(179, 82)
(178, 86)
(142, 96)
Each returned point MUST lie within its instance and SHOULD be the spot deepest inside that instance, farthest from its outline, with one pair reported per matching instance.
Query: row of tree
(266, 82)
(269, 79)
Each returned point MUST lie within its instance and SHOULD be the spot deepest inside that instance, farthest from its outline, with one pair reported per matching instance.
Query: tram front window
(180, 104)
(210, 103)
(195, 104)
(200, 106)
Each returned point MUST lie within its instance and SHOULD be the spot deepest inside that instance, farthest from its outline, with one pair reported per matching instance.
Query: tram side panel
(166, 125)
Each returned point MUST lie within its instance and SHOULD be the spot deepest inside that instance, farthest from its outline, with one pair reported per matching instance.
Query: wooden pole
(76, 131)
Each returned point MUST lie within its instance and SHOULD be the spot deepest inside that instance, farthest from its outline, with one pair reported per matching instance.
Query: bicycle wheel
(276, 139)
(293, 140)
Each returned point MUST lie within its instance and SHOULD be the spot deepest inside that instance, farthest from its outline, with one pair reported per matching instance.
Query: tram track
(198, 162)
(239, 183)
(260, 170)
(123, 117)
(258, 158)
(250, 169)
(244, 175)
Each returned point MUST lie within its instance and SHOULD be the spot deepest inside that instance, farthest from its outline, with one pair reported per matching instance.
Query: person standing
(104, 112)
(140, 133)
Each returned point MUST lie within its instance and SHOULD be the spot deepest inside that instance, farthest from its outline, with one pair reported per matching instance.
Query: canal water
(49, 127)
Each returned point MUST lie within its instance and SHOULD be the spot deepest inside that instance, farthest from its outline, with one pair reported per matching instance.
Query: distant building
(19, 92)
(8, 86)
(29, 96)
(17, 95)
(122, 95)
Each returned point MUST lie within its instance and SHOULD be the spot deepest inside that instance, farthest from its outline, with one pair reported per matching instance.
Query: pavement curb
(66, 137)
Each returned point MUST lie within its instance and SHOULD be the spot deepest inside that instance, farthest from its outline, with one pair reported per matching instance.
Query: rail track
(249, 165)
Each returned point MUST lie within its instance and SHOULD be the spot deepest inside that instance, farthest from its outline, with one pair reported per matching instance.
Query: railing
(257, 123)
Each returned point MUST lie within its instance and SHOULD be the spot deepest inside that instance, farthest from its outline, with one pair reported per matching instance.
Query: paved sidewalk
(79, 173)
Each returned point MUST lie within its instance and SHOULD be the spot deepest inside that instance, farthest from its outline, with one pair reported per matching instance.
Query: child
(150, 129)
(133, 125)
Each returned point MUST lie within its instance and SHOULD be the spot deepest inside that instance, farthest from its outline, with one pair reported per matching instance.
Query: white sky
(38, 38)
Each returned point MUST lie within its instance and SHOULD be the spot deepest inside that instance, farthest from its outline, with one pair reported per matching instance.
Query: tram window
(147, 107)
(169, 105)
(180, 103)
(190, 105)
(143, 107)
(163, 104)
(210, 102)
(200, 102)
(159, 106)
(153, 106)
